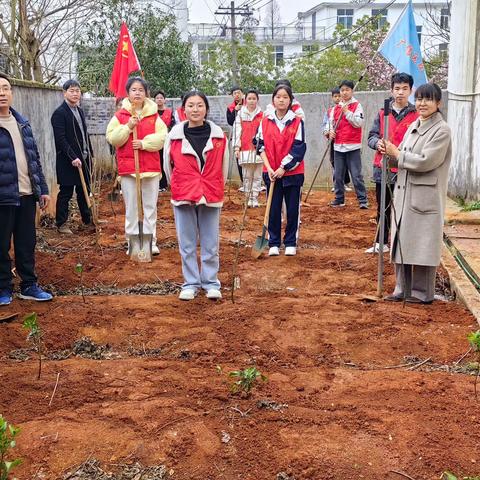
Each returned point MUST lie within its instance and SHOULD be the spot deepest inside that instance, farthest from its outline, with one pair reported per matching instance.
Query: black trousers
(388, 211)
(346, 180)
(163, 180)
(64, 196)
(19, 222)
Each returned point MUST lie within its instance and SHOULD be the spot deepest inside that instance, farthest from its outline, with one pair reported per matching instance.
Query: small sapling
(35, 336)
(79, 272)
(474, 340)
(8, 433)
(247, 379)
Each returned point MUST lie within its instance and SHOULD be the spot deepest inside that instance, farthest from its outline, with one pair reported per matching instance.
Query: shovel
(261, 243)
(140, 246)
(84, 187)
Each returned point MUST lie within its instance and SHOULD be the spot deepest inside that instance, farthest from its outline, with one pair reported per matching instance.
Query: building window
(445, 18)
(345, 17)
(278, 55)
(443, 51)
(314, 25)
(381, 16)
(307, 49)
(419, 33)
(203, 53)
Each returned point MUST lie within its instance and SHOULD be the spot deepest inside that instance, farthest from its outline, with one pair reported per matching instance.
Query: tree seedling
(474, 340)
(8, 433)
(35, 336)
(79, 272)
(247, 379)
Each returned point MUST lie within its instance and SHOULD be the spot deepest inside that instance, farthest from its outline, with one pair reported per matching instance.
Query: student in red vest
(179, 115)
(402, 114)
(196, 164)
(246, 125)
(281, 143)
(232, 110)
(166, 114)
(296, 106)
(348, 114)
(140, 112)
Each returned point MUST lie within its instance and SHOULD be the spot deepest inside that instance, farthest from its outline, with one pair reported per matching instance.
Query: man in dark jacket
(22, 184)
(74, 151)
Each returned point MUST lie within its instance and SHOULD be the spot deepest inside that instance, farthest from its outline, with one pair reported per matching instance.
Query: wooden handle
(137, 178)
(269, 204)
(84, 187)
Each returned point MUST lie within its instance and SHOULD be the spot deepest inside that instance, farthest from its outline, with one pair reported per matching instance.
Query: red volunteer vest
(278, 144)
(232, 106)
(149, 161)
(249, 130)
(181, 114)
(346, 133)
(396, 132)
(188, 182)
(166, 116)
(296, 106)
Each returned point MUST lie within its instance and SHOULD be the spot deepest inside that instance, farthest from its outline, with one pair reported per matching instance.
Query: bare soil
(138, 377)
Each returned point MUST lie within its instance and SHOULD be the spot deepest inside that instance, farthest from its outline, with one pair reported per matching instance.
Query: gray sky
(201, 10)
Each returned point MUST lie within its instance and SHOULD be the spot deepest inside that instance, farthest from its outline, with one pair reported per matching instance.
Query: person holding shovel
(196, 162)
(281, 143)
(137, 126)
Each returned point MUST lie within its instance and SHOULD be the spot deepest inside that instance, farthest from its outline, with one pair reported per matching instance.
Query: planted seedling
(246, 379)
(8, 433)
(474, 340)
(79, 272)
(35, 336)
(451, 476)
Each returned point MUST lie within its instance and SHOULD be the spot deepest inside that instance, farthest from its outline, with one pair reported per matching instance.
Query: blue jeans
(195, 223)
(352, 162)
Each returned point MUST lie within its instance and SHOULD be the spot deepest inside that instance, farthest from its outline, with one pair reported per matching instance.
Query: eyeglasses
(5, 89)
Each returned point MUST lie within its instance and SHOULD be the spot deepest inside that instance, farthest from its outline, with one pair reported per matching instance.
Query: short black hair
(5, 77)
(235, 88)
(430, 91)
(252, 90)
(140, 80)
(335, 91)
(118, 101)
(159, 92)
(347, 83)
(402, 78)
(195, 93)
(282, 86)
(70, 83)
(283, 81)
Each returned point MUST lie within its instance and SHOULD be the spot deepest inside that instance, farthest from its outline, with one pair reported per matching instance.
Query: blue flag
(402, 49)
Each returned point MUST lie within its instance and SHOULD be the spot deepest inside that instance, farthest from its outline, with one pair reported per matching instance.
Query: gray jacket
(420, 192)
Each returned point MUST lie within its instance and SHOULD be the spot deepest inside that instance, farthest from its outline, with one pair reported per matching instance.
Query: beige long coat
(420, 192)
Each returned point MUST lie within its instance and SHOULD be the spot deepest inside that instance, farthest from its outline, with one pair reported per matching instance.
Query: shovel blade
(140, 247)
(261, 243)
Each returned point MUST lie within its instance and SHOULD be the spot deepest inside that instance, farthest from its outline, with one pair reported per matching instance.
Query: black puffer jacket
(9, 194)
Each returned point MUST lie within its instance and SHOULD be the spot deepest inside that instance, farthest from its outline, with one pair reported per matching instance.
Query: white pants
(252, 172)
(149, 200)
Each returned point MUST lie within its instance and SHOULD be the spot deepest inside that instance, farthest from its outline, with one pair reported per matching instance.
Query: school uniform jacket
(191, 184)
(284, 146)
(245, 130)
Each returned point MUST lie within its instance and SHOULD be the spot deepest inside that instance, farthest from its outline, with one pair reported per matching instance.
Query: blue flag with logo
(402, 49)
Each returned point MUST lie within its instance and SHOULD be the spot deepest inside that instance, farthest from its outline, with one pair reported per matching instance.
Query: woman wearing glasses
(419, 199)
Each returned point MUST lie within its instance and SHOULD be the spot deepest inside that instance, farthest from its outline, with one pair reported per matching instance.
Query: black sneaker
(337, 204)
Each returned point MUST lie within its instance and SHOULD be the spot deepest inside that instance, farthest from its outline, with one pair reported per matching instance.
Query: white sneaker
(155, 250)
(255, 203)
(241, 189)
(187, 294)
(348, 189)
(332, 189)
(214, 294)
(376, 249)
(274, 252)
(290, 251)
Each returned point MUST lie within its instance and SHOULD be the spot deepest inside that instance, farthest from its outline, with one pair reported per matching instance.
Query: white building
(316, 27)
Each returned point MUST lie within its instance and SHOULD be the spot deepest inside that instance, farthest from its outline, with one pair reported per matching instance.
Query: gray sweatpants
(195, 223)
(418, 281)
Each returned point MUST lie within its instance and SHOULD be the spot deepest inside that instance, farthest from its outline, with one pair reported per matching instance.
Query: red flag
(126, 62)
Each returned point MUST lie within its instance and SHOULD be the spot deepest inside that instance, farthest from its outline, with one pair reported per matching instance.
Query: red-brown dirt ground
(159, 398)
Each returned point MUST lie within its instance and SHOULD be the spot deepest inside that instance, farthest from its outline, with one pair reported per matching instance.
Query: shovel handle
(269, 204)
(84, 187)
(137, 178)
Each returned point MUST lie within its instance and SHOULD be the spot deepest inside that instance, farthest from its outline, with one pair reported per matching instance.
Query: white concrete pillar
(181, 13)
(464, 98)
